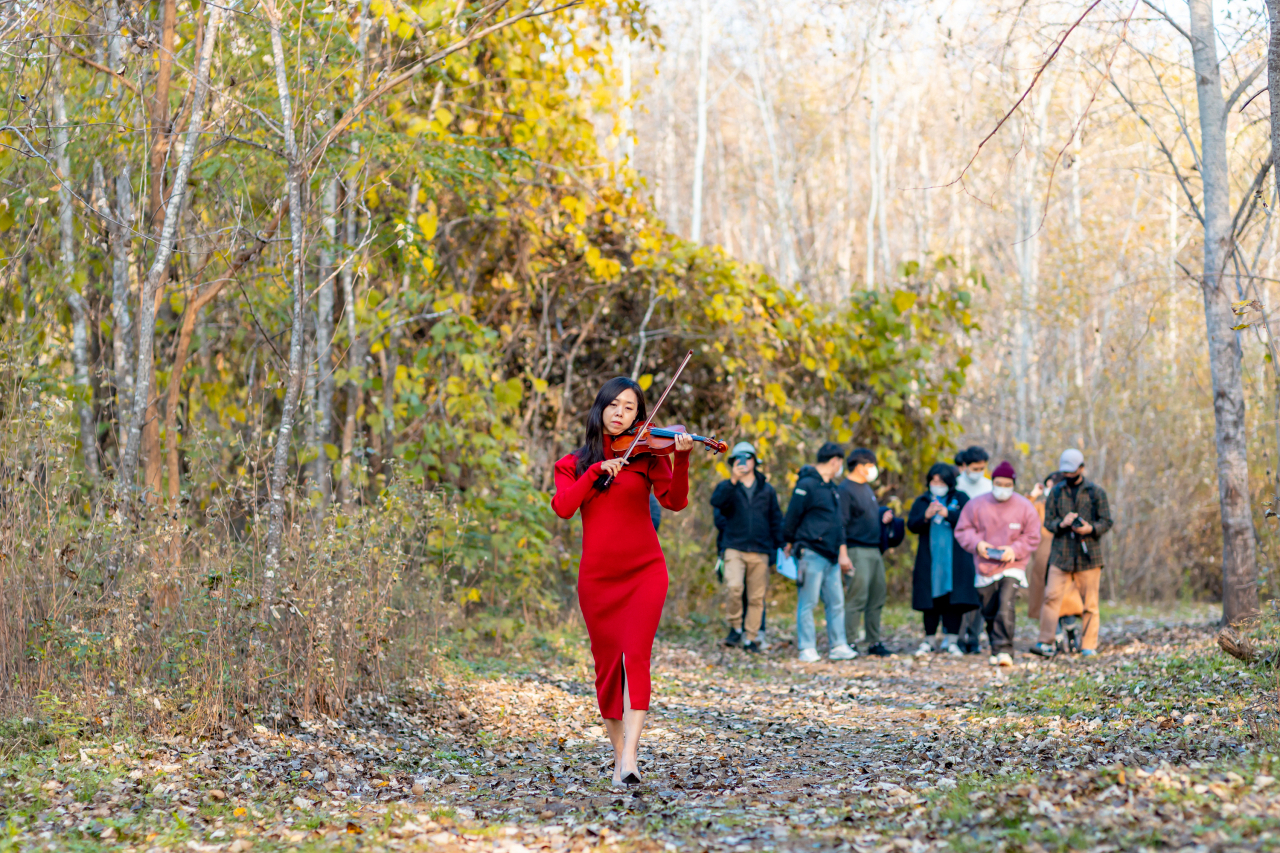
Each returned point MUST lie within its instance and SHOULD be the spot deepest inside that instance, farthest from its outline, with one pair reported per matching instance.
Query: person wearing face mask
(972, 480)
(1002, 530)
(752, 533)
(813, 530)
(942, 581)
(865, 589)
(1078, 513)
(1071, 610)
(971, 464)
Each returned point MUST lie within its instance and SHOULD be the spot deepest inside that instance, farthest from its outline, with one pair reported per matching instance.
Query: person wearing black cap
(752, 532)
(813, 532)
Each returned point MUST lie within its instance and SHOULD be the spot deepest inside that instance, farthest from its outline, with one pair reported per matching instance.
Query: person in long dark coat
(942, 589)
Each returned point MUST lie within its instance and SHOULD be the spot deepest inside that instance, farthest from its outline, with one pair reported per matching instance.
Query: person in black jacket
(865, 520)
(942, 581)
(813, 531)
(752, 532)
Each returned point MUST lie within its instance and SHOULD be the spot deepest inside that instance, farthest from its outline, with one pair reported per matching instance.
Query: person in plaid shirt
(1078, 514)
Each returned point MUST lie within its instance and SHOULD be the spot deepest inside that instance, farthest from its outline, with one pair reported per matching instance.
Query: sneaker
(752, 648)
(879, 651)
(734, 638)
(809, 656)
(925, 648)
(842, 653)
(1089, 653)
(1004, 659)
(1044, 650)
(953, 649)
(993, 660)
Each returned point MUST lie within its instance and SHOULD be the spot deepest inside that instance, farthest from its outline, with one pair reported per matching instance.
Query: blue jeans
(821, 579)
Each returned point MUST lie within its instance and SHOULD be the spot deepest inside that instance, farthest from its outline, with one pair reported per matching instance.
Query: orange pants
(1057, 588)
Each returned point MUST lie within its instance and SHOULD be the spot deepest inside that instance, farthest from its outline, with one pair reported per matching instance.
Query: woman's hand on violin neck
(684, 442)
(613, 466)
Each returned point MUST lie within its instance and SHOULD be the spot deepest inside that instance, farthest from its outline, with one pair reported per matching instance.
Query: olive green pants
(864, 594)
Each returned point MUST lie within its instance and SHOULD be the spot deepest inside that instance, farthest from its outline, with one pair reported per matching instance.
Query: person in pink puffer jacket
(1001, 529)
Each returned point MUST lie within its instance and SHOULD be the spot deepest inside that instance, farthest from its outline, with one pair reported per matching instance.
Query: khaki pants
(865, 593)
(745, 569)
(1071, 604)
(1056, 590)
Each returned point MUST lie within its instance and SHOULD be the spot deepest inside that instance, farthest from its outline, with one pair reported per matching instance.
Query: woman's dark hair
(943, 470)
(592, 449)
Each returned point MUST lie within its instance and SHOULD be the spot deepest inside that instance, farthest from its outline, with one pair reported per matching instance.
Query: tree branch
(1242, 86)
(1162, 13)
(1039, 72)
(1250, 201)
(1168, 155)
(84, 60)
(317, 150)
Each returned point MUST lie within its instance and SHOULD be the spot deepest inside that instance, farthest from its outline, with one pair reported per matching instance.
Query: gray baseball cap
(743, 448)
(1070, 460)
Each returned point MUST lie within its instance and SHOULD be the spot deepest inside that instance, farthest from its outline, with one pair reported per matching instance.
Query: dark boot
(734, 638)
(1072, 627)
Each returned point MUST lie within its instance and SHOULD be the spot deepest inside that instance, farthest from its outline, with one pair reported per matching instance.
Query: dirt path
(1149, 746)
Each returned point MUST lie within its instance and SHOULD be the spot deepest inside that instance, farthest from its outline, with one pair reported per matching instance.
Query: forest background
(301, 302)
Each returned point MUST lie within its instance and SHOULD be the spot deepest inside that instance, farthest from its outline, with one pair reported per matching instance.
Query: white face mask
(872, 473)
(1002, 493)
(938, 491)
(972, 477)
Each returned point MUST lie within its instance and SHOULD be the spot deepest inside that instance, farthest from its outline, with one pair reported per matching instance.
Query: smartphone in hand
(996, 554)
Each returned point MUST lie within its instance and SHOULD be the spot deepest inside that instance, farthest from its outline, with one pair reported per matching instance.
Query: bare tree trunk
(297, 339)
(159, 268)
(700, 145)
(122, 325)
(160, 133)
(67, 274)
(355, 357)
(781, 189)
(1239, 551)
(324, 345)
(873, 156)
(355, 360)
(1273, 80)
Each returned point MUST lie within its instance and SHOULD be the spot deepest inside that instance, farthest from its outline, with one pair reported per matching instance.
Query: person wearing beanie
(814, 534)
(752, 533)
(1078, 513)
(1001, 529)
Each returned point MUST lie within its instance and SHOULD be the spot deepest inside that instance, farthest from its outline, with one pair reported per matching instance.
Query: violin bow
(652, 414)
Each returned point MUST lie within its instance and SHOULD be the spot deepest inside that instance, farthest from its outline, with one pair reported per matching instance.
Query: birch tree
(700, 145)
(159, 268)
(72, 279)
(1239, 554)
(297, 335)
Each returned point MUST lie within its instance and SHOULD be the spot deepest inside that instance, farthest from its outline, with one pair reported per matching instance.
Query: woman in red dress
(622, 577)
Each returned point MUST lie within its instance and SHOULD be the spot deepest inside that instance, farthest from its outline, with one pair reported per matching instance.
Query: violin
(661, 441)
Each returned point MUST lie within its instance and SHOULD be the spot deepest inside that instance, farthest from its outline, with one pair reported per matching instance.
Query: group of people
(978, 543)
(976, 538)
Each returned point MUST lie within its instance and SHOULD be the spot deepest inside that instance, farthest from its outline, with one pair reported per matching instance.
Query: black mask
(1075, 478)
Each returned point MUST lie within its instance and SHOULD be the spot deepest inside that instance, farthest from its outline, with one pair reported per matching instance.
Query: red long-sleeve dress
(622, 578)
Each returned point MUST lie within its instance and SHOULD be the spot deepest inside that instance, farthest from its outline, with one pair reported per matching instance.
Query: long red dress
(622, 578)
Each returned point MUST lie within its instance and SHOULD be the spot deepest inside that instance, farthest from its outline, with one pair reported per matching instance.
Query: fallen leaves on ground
(1150, 744)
